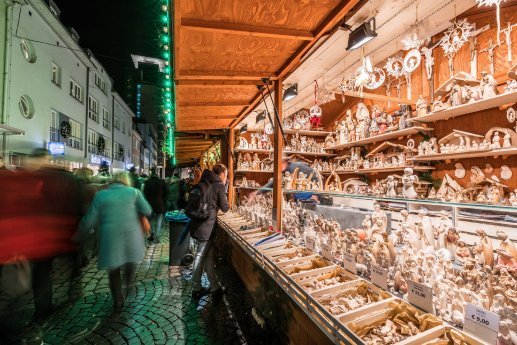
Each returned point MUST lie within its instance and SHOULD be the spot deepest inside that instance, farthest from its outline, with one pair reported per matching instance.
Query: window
(118, 153)
(56, 74)
(54, 125)
(93, 109)
(28, 51)
(26, 107)
(105, 118)
(116, 122)
(93, 137)
(76, 91)
(75, 140)
(124, 127)
(100, 83)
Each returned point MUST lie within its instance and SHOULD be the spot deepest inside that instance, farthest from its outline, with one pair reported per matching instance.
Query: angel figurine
(391, 185)
(408, 184)
(421, 106)
(488, 85)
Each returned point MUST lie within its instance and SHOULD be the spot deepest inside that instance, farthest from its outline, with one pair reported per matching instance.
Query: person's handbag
(16, 277)
(146, 226)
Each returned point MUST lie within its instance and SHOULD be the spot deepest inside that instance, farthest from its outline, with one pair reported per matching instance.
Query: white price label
(379, 277)
(309, 243)
(326, 251)
(421, 296)
(475, 317)
(349, 263)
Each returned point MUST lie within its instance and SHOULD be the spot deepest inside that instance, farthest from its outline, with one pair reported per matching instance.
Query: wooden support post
(231, 189)
(277, 160)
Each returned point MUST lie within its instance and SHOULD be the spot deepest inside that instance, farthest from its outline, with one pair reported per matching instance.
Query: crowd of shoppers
(48, 212)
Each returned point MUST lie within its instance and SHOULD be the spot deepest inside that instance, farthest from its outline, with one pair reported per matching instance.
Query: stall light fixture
(362, 34)
(291, 92)
(260, 116)
(244, 129)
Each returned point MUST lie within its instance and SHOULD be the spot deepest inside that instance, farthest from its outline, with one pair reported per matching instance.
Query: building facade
(55, 92)
(122, 134)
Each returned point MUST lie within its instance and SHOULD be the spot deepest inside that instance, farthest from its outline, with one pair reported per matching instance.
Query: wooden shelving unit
(255, 171)
(382, 137)
(307, 133)
(310, 154)
(253, 150)
(466, 109)
(468, 154)
(379, 170)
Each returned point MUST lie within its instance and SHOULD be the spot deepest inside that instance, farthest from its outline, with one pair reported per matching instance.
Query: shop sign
(326, 251)
(379, 277)
(420, 295)
(97, 160)
(349, 263)
(56, 148)
(481, 323)
(309, 243)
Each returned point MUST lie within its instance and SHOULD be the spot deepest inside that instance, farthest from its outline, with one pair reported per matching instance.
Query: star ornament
(497, 3)
(456, 36)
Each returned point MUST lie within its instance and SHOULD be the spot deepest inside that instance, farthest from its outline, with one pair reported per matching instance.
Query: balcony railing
(118, 157)
(106, 124)
(73, 142)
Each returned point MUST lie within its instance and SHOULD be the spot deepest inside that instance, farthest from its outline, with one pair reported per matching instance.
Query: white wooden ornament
(460, 171)
(506, 172)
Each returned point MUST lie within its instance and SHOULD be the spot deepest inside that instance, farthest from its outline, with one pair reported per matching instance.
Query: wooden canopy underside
(223, 48)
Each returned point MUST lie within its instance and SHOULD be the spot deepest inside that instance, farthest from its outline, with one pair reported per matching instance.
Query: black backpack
(199, 201)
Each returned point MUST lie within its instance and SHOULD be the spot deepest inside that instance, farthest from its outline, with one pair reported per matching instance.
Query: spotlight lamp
(244, 129)
(362, 35)
(291, 92)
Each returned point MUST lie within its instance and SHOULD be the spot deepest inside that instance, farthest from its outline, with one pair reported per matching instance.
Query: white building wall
(122, 133)
(36, 23)
(136, 144)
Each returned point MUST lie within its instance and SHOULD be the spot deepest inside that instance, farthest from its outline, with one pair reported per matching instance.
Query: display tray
(377, 314)
(385, 136)
(466, 154)
(441, 333)
(311, 279)
(370, 294)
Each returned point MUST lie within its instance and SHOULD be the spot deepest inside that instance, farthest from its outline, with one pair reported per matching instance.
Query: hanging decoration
(395, 67)
(268, 128)
(315, 111)
(101, 144)
(507, 34)
(377, 78)
(66, 129)
(497, 4)
(454, 38)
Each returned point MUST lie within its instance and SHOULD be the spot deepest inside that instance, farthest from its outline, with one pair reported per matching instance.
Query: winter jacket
(116, 210)
(155, 191)
(202, 229)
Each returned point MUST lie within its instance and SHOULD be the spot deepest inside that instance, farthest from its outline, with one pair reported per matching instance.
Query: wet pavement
(160, 311)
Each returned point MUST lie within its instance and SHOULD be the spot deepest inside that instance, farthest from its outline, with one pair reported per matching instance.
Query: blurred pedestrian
(202, 230)
(155, 191)
(117, 212)
(173, 194)
(135, 179)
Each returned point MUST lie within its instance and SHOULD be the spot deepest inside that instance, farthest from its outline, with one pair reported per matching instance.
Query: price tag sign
(309, 243)
(481, 323)
(380, 277)
(349, 263)
(421, 296)
(326, 251)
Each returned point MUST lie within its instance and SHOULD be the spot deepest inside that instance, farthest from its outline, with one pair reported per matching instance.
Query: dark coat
(202, 229)
(155, 191)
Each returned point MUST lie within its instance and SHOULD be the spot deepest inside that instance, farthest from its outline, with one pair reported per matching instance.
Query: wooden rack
(468, 154)
(390, 135)
(381, 170)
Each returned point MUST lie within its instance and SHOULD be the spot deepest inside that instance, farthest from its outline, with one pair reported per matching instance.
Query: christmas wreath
(65, 129)
(101, 144)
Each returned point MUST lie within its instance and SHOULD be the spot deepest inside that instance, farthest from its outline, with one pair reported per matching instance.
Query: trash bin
(179, 239)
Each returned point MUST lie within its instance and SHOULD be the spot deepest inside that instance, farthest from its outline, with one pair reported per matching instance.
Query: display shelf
(255, 188)
(253, 150)
(377, 97)
(379, 170)
(310, 154)
(254, 171)
(488, 207)
(307, 133)
(382, 137)
(467, 154)
(465, 109)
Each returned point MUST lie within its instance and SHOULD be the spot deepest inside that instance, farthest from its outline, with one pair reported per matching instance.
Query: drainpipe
(112, 132)
(4, 101)
(86, 97)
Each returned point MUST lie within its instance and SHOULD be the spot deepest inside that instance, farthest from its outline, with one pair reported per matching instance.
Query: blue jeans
(204, 261)
(156, 224)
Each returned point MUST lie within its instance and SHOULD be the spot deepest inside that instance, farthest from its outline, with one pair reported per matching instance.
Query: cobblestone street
(160, 311)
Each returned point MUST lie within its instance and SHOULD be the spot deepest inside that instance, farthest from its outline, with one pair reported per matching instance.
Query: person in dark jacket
(155, 191)
(203, 232)
(135, 179)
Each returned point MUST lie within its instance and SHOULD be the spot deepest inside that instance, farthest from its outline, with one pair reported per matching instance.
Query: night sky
(113, 29)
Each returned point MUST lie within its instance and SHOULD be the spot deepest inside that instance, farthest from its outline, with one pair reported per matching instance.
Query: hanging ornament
(363, 74)
(412, 60)
(411, 41)
(316, 111)
(395, 66)
(268, 129)
(497, 4)
(377, 78)
(456, 36)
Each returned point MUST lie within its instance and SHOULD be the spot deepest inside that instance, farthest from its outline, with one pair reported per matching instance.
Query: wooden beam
(231, 145)
(332, 19)
(245, 29)
(211, 104)
(177, 38)
(217, 83)
(224, 75)
(254, 102)
(197, 125)
(277, 160)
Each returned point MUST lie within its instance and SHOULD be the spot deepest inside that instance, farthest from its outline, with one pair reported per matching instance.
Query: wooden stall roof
(223, 48)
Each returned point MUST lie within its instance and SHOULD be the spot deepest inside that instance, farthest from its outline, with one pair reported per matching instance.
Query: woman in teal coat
(116, 212)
